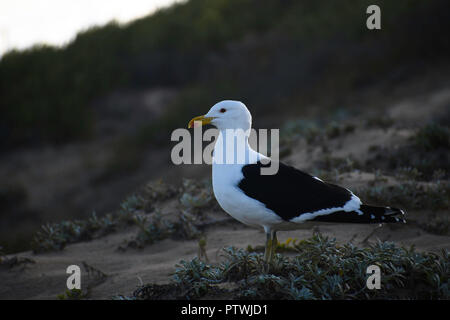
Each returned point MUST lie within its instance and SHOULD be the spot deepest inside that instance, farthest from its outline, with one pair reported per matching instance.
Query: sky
(24, 23)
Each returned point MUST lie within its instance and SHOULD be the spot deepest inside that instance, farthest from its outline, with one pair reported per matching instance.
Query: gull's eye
(223, 110)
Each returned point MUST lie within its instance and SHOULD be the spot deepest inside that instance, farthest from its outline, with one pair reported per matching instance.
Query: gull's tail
(365, 214)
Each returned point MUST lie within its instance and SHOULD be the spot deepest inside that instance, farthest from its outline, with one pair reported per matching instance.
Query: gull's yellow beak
(202, 119)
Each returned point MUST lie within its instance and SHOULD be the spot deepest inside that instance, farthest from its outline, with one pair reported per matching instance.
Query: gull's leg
(273, 245)
(268, 247)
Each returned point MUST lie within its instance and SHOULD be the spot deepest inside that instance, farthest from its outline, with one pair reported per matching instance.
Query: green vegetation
(197, 195)
(380, 122)
(56, 236)
(329, 163)
(433, 136)
(11, 196)
(193, 198)
(313, 131)
(408, 195)
(143, 211)
(425, 155)
(126, 157)
(297, 56)
(438, 225)
(73, 294)
(210, 49)
(153, 228)
(140, 210)
(321, 269)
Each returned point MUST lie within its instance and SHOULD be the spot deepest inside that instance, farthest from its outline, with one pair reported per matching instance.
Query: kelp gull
(281, 201)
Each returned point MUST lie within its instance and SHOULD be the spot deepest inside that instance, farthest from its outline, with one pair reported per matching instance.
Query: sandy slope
(125, 270)
(46, 278)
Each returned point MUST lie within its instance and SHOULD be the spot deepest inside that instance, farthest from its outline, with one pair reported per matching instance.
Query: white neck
(232, 147)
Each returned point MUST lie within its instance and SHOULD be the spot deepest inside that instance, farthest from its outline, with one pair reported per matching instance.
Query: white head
(227, 114)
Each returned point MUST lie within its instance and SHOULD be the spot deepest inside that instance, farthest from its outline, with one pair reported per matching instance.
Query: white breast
(233, 200)
(225, 180)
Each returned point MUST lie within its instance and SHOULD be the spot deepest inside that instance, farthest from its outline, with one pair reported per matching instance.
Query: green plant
(195, 277)
(409, 173)
(138, 209)
(438, 225)
(433, 136)
(158, 190)
(150, 231)
(54, 237)
(409, 195)
(73, 294)
(321, 269)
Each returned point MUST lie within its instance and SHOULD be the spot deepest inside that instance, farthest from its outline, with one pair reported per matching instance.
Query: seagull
(280, 201)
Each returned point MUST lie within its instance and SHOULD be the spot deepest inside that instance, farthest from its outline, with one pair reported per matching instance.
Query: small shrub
(74, 294)
(409, 195)
(137, 210)
(433, 136)
(54, 237)
(339, 165)
(196, 196)
(409, 173)
(438, 225)
(322, 269)
(380, 122)
(158, 190)
(150, 230)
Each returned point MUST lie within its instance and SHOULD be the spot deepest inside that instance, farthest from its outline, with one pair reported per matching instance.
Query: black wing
(291, 192)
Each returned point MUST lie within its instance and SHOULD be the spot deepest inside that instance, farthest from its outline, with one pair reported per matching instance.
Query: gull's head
(227, 114)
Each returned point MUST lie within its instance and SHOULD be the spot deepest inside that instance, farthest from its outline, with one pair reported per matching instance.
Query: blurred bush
(268, 52)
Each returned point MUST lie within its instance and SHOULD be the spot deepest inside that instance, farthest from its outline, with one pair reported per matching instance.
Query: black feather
(371, 214)
(291, 192)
